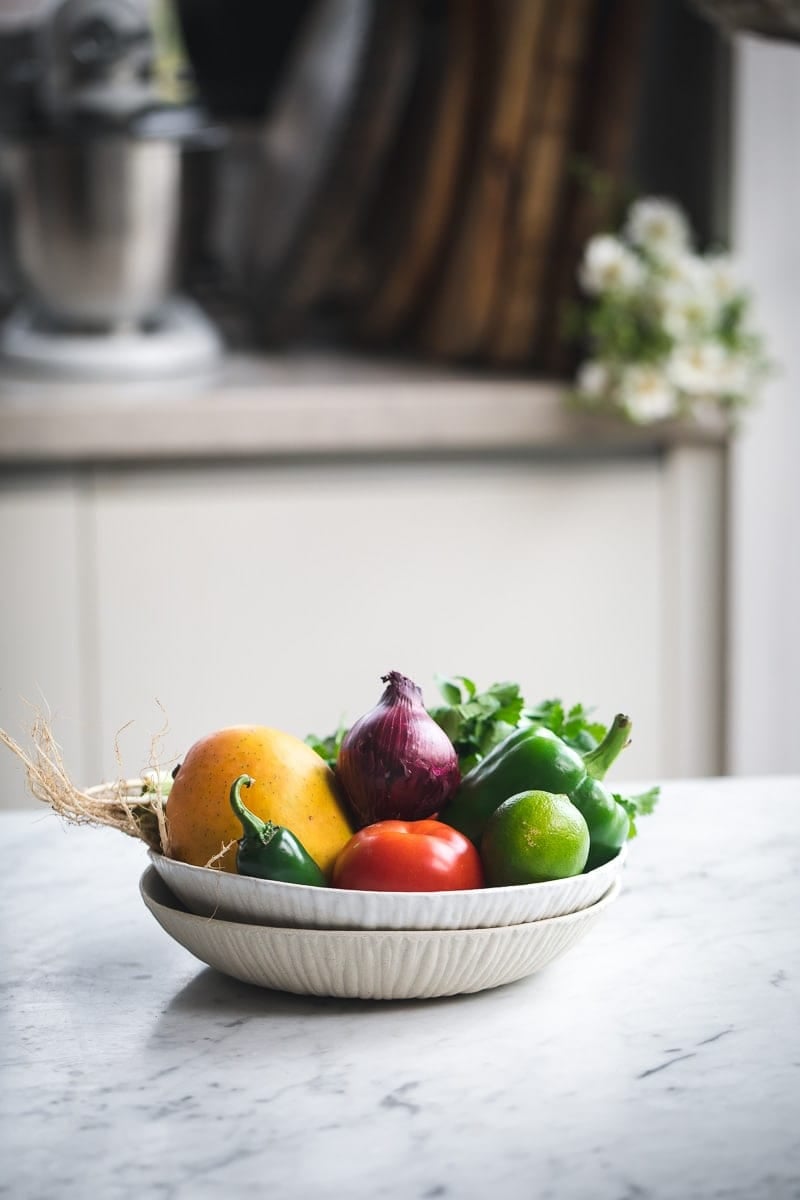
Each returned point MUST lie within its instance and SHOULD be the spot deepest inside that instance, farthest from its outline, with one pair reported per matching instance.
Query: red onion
(395, 763)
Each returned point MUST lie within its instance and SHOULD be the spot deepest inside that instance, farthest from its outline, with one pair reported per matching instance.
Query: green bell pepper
(270, 851)
(533, 757)
(609, 824)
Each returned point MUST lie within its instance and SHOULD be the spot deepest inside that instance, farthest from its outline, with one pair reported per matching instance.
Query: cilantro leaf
(549, 713)
(328, 747)
(477, 721)
(450, 690)
(646, 801)
(454, 687)
(572, 726)
(638, 806)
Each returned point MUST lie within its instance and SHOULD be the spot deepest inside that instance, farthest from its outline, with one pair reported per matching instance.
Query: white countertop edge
(311, 404)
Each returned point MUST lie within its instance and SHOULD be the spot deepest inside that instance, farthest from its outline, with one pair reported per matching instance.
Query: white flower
(658, 226)
(734, 377)
(593, 380)
(685, 301)
(681, 268)
(647, 395)
(609, 266)
(659, 301)
(700, 369)
(722, 275)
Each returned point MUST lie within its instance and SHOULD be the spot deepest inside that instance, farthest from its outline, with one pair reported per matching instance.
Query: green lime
(532, 837)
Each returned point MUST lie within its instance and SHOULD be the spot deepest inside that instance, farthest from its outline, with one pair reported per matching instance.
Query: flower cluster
(668, 327)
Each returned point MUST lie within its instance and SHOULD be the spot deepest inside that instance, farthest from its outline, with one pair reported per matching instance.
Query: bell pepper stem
(600, 759)
(252, 825)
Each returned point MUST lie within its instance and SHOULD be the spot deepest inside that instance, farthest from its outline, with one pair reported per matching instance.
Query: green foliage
(627, 329)
(328, 747)
(638, 806)
(476, 721)
(572, 725)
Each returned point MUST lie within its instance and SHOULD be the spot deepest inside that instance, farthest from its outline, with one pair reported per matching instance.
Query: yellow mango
(293, 787)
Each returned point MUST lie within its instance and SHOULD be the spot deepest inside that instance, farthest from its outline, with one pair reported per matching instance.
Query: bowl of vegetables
(377, 964)
(425, 852)
(418, 852)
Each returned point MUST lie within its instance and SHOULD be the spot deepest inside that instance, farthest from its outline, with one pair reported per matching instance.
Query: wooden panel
(279, 596)
(460, 311)
(540, 182)
(43, 652)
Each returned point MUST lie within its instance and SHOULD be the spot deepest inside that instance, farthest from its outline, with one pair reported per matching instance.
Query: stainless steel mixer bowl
(95, 226)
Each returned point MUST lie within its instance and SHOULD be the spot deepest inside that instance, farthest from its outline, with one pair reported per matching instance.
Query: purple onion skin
(395, 763)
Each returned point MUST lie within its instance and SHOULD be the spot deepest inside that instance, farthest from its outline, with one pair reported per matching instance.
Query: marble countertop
(660, 1058)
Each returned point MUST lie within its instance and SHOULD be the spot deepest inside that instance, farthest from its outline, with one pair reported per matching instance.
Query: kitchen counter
(307, 403)
(659, 1058)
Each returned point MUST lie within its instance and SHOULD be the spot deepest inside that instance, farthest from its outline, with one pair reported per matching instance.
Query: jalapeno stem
(598, 761)
(253, 826)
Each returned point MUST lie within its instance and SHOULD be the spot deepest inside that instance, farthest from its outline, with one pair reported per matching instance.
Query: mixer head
(96, 60)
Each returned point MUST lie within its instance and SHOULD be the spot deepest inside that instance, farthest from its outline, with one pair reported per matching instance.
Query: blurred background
(284, 356)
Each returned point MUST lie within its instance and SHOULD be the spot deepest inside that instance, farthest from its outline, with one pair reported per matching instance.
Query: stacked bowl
(373, 945)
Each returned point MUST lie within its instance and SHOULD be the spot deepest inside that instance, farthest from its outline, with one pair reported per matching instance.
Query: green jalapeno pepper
(270, 851)
(534, 757)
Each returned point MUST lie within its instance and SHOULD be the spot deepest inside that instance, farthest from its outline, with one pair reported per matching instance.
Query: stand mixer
(92, 163)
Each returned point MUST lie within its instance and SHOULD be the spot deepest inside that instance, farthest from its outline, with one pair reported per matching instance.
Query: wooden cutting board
(458, 316)
(520, 297)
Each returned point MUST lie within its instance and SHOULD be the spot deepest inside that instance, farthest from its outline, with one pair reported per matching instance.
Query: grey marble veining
(660, 1058)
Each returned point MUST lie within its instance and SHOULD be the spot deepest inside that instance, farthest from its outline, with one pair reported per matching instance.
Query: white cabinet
(764, 484)
(281, 596)
(216, 593)
(45, 658)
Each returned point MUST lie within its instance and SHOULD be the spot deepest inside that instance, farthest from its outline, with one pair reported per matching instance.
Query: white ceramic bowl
(370, 964)
(267, 902)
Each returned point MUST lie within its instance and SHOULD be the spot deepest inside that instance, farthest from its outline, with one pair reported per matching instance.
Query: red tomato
(408, 856)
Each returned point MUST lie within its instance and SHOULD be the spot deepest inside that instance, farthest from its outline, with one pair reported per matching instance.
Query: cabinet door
(279, 595)
(43, 647)
(763, 646)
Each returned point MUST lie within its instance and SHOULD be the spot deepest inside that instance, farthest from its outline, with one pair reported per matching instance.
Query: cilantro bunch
(477, 721)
